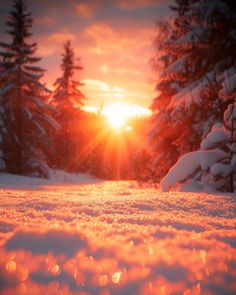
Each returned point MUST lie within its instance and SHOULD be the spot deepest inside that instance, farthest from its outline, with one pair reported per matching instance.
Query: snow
(215, 137)
(188, 165)
(56, 177)
(114, 238)
(220, 169)
(211, 168)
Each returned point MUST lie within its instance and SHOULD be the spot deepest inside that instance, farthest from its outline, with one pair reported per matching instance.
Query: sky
(112, 40)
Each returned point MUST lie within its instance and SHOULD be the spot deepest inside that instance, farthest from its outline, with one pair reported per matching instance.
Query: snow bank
(188, 165)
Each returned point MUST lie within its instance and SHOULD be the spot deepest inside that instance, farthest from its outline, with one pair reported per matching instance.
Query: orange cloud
(84, 10)
(103, 89)
(96, 50)
(49, 45)
(107, 40)
(45, 50)
(61, 37)
(127, 71)
(93, 84)
(105, 69)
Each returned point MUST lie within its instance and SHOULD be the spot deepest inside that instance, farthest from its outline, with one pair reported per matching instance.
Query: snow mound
(188, 165)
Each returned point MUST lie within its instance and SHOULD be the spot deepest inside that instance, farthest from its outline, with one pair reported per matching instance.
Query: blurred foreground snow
(114, 238)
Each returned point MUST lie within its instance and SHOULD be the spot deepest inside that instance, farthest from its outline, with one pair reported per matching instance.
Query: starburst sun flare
(118, 114)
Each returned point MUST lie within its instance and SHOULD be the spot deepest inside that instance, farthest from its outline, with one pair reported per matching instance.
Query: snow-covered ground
(56, 177)
(114, 238)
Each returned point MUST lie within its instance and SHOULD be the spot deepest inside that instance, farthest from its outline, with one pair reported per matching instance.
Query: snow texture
(213, 166)
(115, 238)
(188, 165)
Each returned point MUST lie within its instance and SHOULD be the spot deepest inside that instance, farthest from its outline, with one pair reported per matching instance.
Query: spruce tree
(27, 116)
(222, 175)
(68, 100)
(67, 95)
(196, 77)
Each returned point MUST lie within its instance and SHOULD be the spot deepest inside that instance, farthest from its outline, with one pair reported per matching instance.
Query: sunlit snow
(115, 238)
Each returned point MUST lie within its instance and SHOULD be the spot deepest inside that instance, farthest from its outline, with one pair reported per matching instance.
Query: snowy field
(114, 238)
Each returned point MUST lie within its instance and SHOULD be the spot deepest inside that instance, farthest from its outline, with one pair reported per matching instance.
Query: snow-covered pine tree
(222, 174)
(214, 165)
(163, 132)
(196, 61)
(27, 117)
(68, 100)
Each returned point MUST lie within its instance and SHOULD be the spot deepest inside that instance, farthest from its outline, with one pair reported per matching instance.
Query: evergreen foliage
(68, 100)
(214, 165)
(196, 65)
(27, 117)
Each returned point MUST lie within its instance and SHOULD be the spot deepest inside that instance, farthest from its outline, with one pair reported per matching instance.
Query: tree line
(42, 129)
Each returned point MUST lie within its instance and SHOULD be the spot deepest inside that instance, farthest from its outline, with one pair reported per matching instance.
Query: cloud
(44, 20)
(52, 44)
(105, 69)
(84, 10)
(88, 8)
(124, 71)
(107, 40)
(103, 89)
(96, 84)
(96, 51)
(124, 4)
(45, 50)
(61, 37)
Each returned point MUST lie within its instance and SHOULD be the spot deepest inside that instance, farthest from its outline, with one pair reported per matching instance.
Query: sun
(118, 115)
(117, 122)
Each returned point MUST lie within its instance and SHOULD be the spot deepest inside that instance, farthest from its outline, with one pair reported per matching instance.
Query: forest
(188, 142)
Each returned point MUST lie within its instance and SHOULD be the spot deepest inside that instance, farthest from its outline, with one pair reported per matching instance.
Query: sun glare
(119, 114)
(117, 122)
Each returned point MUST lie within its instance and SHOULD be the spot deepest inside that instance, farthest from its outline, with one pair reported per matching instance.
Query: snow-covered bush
(213, 167)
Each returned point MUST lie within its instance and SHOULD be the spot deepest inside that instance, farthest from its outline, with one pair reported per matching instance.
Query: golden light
(119, 114)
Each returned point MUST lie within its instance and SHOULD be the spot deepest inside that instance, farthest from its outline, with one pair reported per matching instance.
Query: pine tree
(222, 174)
(68, 100)
(214, 165)
(198, 62)
(27, 116)
(67, 95)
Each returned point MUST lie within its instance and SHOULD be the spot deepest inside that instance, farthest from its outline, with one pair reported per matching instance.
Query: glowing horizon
(127, 110)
